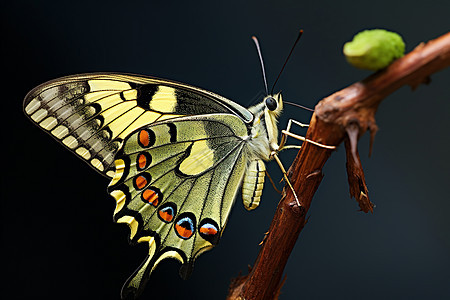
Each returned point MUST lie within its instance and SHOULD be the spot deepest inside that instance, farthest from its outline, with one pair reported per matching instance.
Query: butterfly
(176, 155)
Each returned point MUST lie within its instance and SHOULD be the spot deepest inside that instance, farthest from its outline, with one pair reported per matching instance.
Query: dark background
(58, 238)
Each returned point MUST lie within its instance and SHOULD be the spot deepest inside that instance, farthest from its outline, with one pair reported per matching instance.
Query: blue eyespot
(209, 230)
(185, 225)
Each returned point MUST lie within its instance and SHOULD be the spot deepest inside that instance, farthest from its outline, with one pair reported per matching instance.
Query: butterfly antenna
(289, 56)
(298, 105)
(262, 62)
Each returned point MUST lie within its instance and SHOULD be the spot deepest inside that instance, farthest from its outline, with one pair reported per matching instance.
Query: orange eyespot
(143, 160)
(166, 215)
(151, 197)
(183, 232)
(140, 182)
(185, 225)
(144, 138)
(208, 230)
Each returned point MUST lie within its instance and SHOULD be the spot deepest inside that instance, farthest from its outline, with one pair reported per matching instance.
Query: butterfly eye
(271, 103)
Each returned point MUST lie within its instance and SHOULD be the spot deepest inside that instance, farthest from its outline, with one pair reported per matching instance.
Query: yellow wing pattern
(92, 114)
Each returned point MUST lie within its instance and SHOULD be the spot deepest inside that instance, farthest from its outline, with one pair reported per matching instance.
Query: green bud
(374, 49)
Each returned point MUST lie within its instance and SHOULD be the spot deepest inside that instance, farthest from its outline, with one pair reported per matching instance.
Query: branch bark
(343, 116)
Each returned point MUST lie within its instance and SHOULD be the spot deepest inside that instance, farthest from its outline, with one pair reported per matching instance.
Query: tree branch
(343, 116)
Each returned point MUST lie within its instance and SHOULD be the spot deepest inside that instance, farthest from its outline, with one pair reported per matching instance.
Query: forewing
(175, 185)
(92, 114)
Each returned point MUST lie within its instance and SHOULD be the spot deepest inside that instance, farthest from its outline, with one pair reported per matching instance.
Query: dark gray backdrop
(57, 231)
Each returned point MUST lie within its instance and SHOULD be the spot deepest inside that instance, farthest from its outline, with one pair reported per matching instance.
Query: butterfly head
(271, 110)
(273, 105)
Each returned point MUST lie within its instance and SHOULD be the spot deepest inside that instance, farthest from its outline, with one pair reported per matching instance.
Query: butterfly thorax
(264, 129)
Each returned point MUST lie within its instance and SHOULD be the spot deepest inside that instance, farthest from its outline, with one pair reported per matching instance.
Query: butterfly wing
(176, 155)
(175, 184)
(92, 114)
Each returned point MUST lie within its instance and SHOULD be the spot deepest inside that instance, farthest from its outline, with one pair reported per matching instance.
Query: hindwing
(175, 184)
(92, 114)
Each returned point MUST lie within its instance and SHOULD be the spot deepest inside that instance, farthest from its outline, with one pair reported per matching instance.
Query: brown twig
(344, 115)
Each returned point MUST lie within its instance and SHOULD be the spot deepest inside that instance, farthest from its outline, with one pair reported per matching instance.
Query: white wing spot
(32, 106)
(60, 131)
(70, 142)
(98, 164)
(83, 152)
(39, 115)
(49, 123)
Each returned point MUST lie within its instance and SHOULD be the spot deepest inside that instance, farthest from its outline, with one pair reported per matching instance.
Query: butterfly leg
(283, 170)
(286, 133)
(253, 184)
(282, 146)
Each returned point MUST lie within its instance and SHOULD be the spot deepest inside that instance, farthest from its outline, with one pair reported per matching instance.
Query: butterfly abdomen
(253, 184)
